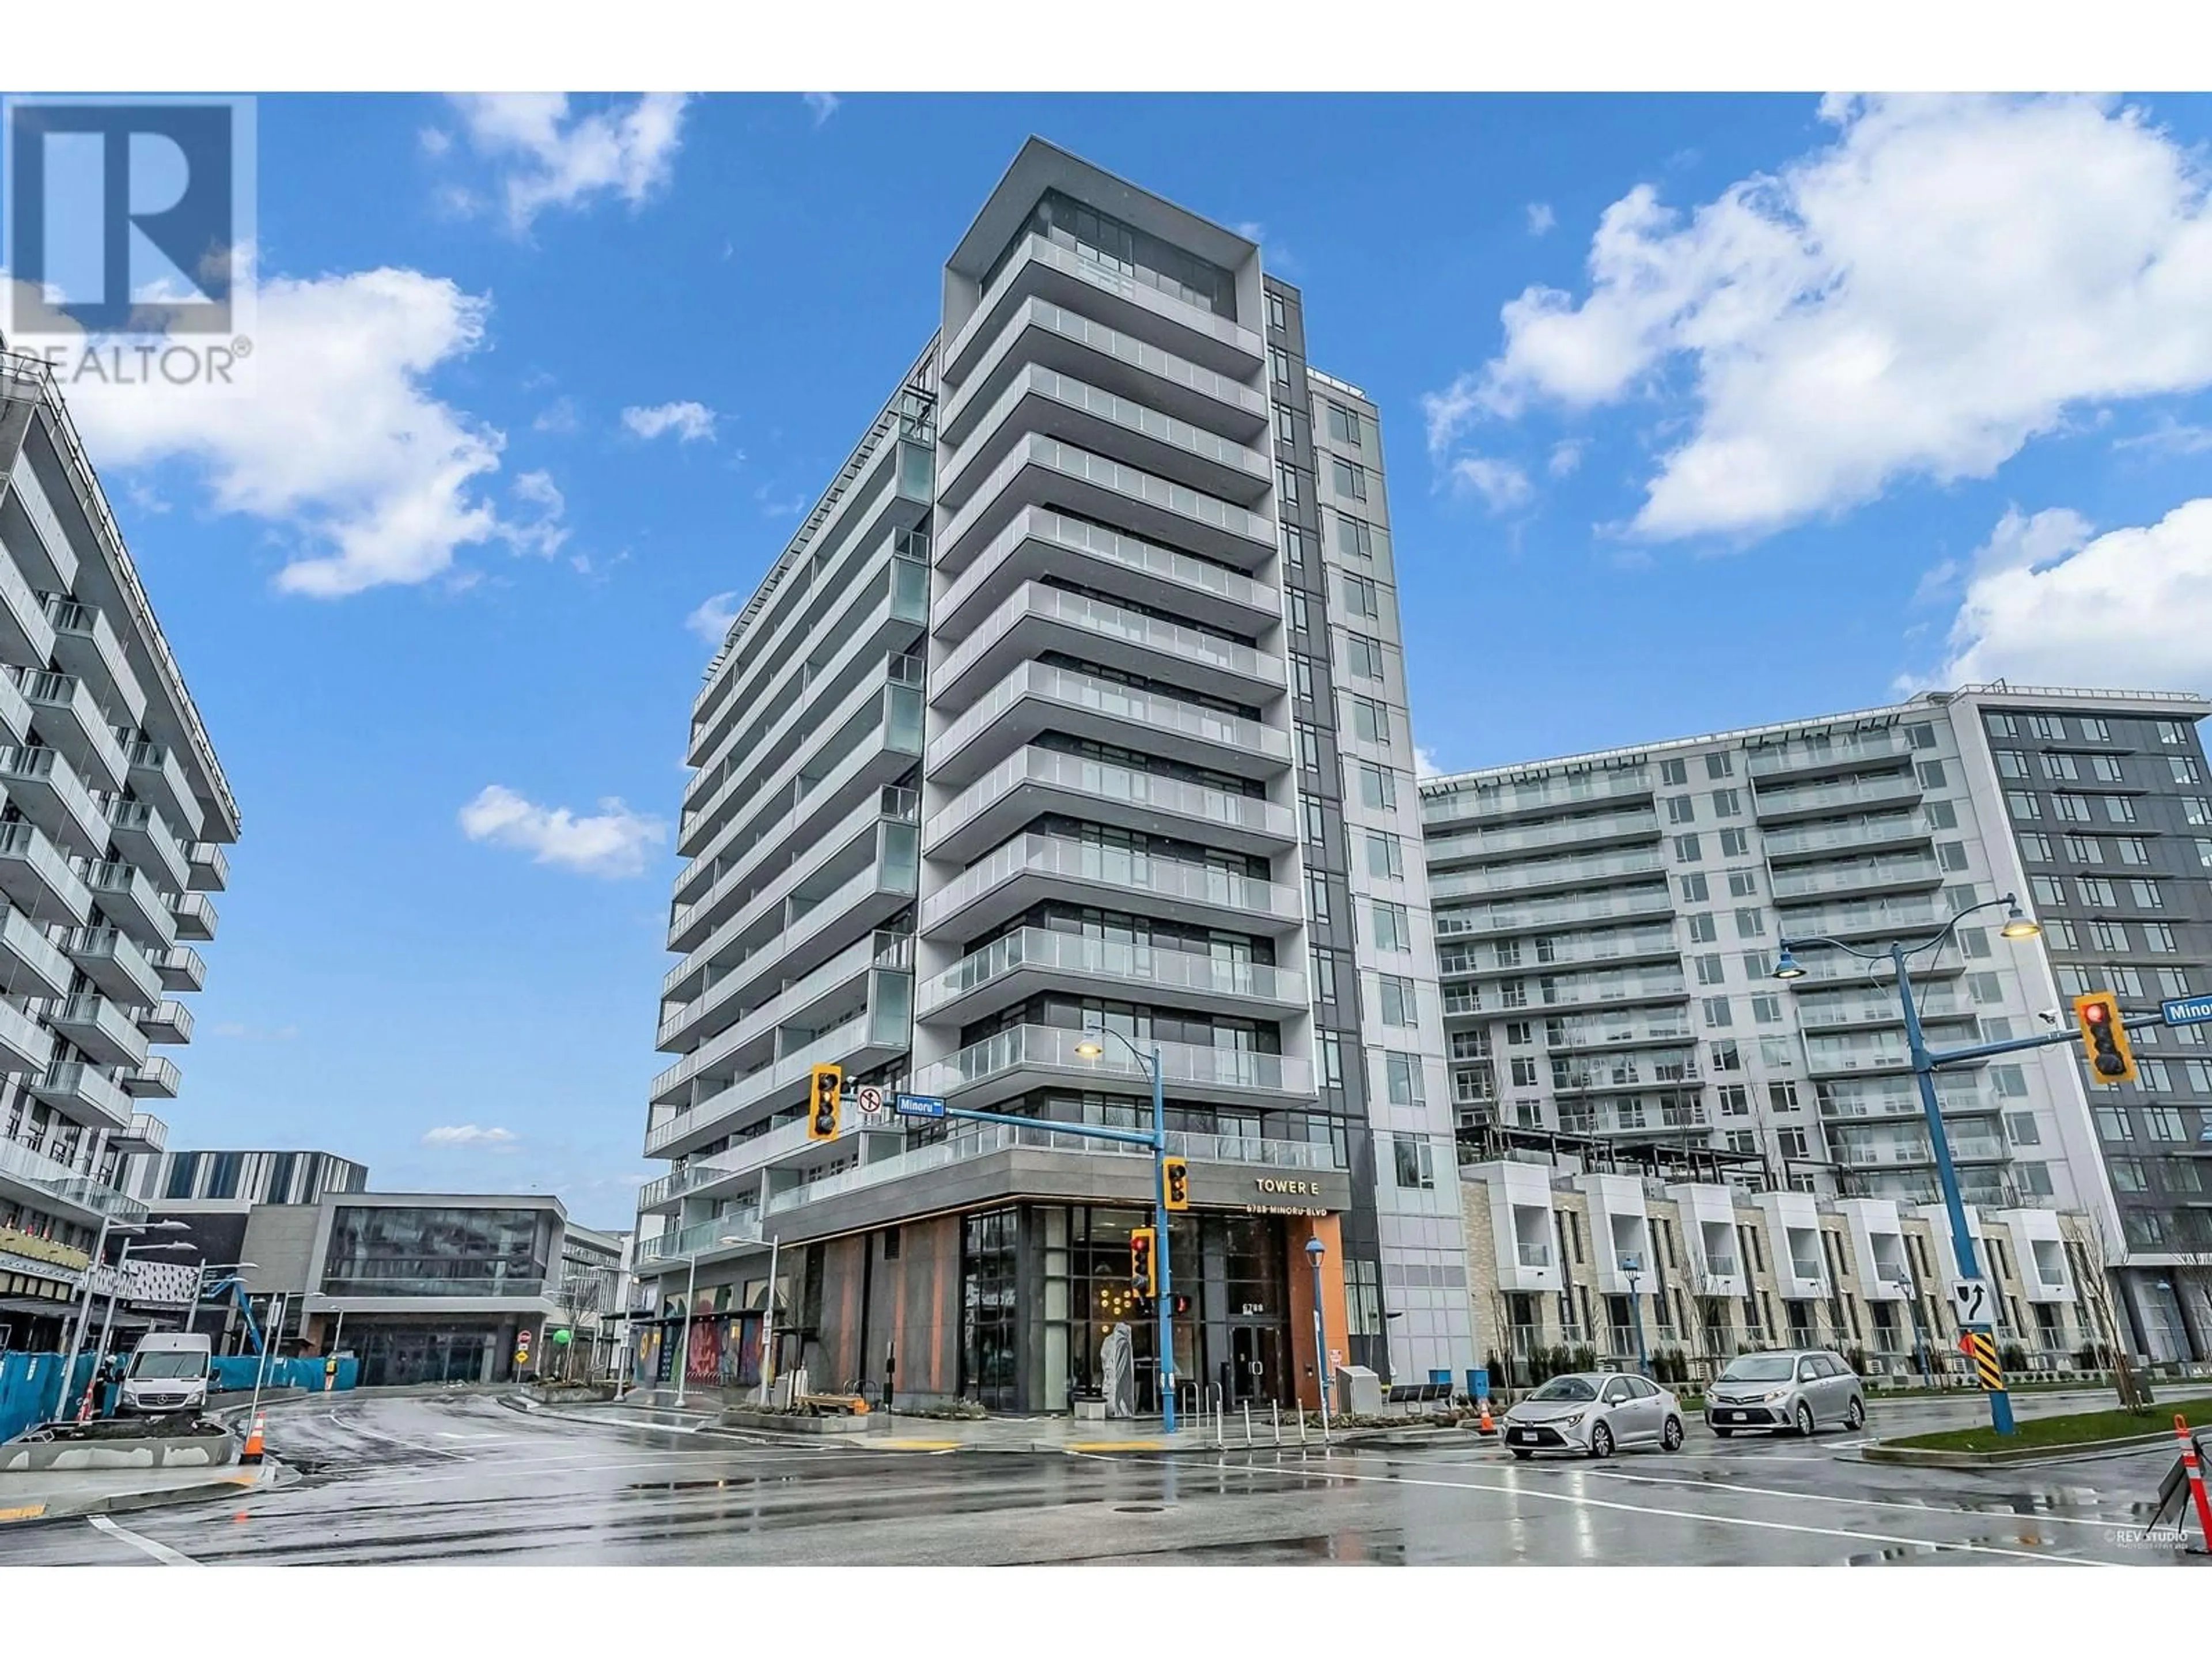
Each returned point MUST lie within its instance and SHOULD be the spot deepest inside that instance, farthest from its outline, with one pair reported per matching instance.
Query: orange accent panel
(1334, 1324)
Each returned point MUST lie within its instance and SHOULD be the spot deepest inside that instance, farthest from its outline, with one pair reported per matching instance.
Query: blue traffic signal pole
(1157, 1138)
(1924, 1071)
(1962, 1242)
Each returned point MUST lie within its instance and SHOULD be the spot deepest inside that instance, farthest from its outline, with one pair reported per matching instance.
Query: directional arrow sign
(1974, 1303)
(2185, 1010)
(919, 1106)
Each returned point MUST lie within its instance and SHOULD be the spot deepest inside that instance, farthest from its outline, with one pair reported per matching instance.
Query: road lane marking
(1585, 1501)
(161, 1553)
(359, 1427)
(1863, 1503)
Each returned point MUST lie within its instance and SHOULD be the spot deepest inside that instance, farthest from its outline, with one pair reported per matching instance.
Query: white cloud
(689, 421)
(2046, 604)
(2170, 437)
(824, 105)
(1944, 282)
(711, 620)
(435, 141)
(542, 533)
(330, 432)
(612, 842)
(1424, 762)
(468, 1134)
(1566, 456)
(554, 159)
(560, 415)
(1541, 219)
(1501, 483)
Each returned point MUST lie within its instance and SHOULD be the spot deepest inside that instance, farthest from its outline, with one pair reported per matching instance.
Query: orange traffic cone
(253, 1452)
(1486, 1426)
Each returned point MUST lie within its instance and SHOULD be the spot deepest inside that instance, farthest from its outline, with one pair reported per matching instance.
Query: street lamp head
(1315, 1250)
(169, 1226)
(1789, 967)
(1090, 1047)
(2018, 924)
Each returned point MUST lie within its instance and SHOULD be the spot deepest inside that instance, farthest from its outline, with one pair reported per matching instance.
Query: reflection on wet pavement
(463, 1479)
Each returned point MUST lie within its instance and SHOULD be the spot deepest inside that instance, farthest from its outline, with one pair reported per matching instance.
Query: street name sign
(919, 1106)
(2185, 1010)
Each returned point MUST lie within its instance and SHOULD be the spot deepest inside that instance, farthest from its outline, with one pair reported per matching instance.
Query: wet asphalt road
(463, 1479)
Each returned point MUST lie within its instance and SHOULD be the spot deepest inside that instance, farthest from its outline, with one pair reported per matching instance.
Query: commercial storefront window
(402, 1251)
(988, 1310)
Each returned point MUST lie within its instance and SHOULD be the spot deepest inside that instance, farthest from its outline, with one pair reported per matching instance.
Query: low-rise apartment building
(1580, 1257)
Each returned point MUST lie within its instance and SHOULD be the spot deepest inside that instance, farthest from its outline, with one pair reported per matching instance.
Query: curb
(271, 1476)
(1920, 1457)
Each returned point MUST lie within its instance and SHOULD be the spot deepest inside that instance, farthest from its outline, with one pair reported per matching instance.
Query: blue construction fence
(235, 1374)
(31, 1391)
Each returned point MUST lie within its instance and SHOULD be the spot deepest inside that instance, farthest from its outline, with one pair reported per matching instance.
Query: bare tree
(2097, 1295)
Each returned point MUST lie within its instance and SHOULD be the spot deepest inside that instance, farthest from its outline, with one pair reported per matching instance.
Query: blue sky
(1700, 411)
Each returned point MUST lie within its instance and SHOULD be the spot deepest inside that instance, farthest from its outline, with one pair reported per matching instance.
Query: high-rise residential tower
(112, 837)
(1077, 703)
(1607, 925)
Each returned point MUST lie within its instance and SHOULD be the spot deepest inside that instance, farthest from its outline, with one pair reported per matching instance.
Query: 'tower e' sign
(1292, 1188)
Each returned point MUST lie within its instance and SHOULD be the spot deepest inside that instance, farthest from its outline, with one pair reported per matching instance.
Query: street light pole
(1164, 1299)
(1923, 1072)
(1632, 1265)
(83, 1315)
(683, 1343)
(1315, 1250)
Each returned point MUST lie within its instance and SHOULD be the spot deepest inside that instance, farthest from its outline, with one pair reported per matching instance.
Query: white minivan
(168, 1372)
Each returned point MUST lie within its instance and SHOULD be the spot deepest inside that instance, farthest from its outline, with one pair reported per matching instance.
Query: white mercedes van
(168, 1372)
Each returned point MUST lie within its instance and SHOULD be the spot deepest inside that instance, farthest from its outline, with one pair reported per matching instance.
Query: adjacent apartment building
(114, 815)
(1077, 701)
(1607, 925)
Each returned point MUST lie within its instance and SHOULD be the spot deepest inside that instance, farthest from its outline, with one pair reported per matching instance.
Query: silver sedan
(1591, 1413)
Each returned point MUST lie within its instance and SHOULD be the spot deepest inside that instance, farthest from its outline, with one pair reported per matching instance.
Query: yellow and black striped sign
(1987, 1371)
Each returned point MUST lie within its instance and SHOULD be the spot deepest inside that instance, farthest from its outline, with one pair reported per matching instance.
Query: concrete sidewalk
(58, 1496)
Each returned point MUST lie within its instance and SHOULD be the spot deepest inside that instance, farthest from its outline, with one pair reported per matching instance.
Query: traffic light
(1175, 1176)
(828, 1086)
(1143, 1270)
(2104, 1039)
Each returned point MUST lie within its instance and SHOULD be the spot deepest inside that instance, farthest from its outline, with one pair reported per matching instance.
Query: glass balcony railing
(1110, 866)
(1053, 1047)
(1107, 620)
(1475, 799)
(1044, 950)
(1592, 1033)
(1039, 312)
(1504, 918)
(1448, 849)
(1149, 709)
(1101, 781)
(1878, 830)
(1802, 881)
(1131, 417)
(1844, 748)
(737, 1229)
(1822, 1012)
(1514, 878)
(1869, 916)
(1562, 950)
(1074, 465)
(1097, 541)
(1873, 792)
